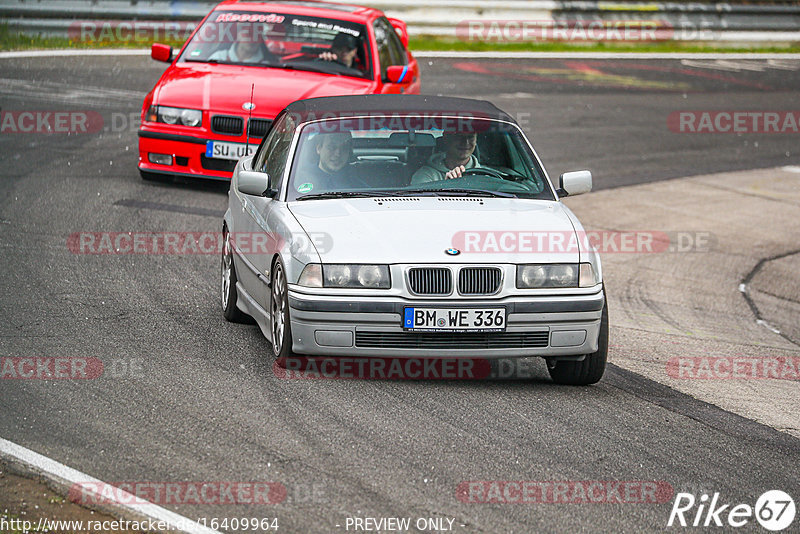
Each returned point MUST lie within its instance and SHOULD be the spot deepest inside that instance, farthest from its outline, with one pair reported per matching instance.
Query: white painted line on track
(443, 54)
(58, 472)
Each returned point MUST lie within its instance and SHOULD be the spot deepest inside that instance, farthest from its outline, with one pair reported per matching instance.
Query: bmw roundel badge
(452, 251)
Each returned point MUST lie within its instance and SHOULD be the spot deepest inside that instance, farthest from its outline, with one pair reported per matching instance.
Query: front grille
(215, 164)
(430, 281)
(450, 340)
(479, 280)
(227, 125)
(258, 127)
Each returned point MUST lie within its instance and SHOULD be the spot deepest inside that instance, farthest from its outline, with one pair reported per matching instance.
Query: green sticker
(305, 188)
(196, 52)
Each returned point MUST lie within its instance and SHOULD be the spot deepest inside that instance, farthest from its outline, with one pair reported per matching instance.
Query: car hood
(420, 230)
(224, 88)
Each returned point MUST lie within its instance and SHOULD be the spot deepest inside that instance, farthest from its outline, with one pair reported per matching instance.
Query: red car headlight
(169, 115)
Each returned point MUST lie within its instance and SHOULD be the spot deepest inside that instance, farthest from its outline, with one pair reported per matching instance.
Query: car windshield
(284, 41)
(414, 155)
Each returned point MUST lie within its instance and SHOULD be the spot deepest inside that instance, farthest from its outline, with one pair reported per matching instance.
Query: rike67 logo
(774, 510)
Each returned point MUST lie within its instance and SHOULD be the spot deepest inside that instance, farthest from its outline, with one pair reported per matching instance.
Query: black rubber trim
(395, 307)
(172, 137)
(345, 307)
(188, 175)
(557, 307)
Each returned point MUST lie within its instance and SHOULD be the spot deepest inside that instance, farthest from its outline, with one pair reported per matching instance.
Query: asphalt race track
(186, 396)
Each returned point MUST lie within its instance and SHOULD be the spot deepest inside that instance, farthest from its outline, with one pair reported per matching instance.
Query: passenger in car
(334, 171)
(248, 47)
(457, 157)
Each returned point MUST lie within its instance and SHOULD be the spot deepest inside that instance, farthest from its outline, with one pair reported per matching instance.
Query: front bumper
(566, 325)
(188, 154)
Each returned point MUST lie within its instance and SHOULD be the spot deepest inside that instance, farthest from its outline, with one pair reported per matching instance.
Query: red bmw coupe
(246, 61)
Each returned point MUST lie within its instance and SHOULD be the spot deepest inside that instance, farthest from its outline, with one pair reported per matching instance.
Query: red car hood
(224, 88)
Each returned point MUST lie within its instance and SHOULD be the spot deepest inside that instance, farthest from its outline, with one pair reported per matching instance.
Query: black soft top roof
(348, 106)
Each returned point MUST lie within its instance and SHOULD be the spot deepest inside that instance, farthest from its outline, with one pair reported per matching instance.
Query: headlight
(167, 115)
(588, 277)
(351, 276)
(547, 275)
(311, 275)
(344, 275)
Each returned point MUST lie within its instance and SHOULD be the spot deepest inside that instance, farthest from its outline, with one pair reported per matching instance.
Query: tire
(279, 324)
(228, 294)
(589, 370)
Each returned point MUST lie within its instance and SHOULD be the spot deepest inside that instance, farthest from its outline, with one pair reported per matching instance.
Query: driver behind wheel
(343, 50)
(457, 157)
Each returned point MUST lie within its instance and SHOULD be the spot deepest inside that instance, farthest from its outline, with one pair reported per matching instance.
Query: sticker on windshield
(196, 52)
(305, 188)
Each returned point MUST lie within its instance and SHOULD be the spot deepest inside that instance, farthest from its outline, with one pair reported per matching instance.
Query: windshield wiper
(343, 194)
(458, 192)
(304, 67)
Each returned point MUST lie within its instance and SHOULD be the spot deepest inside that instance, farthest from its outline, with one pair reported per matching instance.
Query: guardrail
(712, 21)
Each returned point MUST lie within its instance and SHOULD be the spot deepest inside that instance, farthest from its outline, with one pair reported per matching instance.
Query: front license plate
(454, 319)
(232, 151)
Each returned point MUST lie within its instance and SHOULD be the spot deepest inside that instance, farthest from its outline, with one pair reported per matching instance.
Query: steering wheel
(484, 171)
(476, 180)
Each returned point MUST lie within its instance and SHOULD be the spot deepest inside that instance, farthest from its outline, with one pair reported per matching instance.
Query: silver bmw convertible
(411, 226)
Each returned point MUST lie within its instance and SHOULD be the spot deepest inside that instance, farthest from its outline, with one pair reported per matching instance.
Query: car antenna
(250, 115)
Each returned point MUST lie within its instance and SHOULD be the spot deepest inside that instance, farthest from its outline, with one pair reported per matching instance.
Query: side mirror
(161, 52)
(398, 74)
(401, 30)
(574, 183)
(253, 183)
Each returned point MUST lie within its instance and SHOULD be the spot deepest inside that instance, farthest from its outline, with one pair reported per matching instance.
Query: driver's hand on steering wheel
(328, 56)
(455, 172)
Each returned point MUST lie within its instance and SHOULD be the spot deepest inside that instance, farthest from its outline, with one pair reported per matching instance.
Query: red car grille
(227, 125)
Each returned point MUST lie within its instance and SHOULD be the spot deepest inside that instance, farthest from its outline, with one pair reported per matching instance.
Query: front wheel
(280, 326)
(589, 370)
(228, 280)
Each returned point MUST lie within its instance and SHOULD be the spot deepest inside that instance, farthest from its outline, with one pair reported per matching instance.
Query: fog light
(160, 159)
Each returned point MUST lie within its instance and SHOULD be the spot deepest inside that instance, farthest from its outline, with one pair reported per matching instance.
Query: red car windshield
(284, 41)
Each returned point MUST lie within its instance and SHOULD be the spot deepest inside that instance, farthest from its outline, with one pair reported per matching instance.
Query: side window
(390, 49)
(272, 158)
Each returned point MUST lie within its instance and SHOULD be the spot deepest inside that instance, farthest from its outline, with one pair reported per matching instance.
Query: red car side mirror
(398, 74)
(161, 52)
